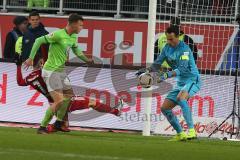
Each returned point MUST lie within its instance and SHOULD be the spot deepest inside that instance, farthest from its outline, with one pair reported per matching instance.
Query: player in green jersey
(58, 84)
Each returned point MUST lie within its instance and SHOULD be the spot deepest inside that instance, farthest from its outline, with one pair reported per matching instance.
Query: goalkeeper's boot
(179, 137)
(42, 130)
(119, 107)
(191, 134)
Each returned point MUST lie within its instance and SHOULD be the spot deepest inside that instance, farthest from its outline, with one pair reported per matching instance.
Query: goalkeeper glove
(164, 76)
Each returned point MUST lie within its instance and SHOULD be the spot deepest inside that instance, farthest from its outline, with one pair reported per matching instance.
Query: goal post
(149, 60)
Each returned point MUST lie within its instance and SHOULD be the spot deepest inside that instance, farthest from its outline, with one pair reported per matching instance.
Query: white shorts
(56, 80)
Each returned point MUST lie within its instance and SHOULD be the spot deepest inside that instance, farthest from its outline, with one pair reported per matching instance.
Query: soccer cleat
(179, 137)
(42, 130)
(51, 128)
(191, 134)
(119, 106)
(59, 126)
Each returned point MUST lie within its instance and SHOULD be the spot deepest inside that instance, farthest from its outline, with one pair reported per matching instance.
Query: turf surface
(25, 144)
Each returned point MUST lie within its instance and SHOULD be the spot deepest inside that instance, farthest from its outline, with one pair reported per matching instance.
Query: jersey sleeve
(160, 59)
(78, 52)
(47, 39)
(183, 67)
(52, 37)
(20, 80)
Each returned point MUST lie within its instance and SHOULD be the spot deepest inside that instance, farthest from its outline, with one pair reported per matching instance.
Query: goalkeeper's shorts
(191, 88)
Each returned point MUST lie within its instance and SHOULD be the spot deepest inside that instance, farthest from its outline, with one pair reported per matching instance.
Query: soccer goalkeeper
(180, 58)
(53, 72)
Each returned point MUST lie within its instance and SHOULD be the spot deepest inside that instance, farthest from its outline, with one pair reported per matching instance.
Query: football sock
(172, 119)
(63, 109)
(187, 113)
(47, 117)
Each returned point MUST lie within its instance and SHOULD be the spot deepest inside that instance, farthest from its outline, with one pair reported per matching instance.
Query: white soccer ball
(145, 80)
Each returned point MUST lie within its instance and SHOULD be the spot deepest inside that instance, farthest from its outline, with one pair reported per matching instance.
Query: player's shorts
(191, 88)
(56, 80)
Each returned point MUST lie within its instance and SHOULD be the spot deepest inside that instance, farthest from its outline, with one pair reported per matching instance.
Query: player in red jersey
(35, 80)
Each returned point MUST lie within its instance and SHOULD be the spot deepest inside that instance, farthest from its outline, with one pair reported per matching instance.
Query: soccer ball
(145, 80)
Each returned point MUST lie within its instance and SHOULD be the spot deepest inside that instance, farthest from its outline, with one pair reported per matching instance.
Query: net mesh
(211, 24)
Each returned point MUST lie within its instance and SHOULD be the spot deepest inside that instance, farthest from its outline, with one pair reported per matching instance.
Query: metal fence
(194, 9)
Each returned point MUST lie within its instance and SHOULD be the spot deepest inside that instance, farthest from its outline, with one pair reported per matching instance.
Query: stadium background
(95, 38)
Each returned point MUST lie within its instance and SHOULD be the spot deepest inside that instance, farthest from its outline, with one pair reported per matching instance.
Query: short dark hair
(74, 17)
(175, 21)
(19, 20)
(34, 13)
(173, 29)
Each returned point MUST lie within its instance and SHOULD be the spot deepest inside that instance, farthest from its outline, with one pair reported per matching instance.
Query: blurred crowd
(214, 7)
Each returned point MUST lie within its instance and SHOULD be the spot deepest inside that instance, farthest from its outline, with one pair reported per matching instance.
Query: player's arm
(183, 67)
(20, 80)
(79, 53)
(156, 66)
(47, 39)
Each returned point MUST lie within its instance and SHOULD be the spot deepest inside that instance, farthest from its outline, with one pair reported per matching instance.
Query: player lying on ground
(180, 58)
(35, 80)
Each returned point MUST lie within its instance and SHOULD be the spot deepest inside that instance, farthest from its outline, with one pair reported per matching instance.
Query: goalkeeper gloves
(164, 76)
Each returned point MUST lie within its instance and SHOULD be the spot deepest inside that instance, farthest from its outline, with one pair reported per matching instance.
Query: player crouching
(180, 58)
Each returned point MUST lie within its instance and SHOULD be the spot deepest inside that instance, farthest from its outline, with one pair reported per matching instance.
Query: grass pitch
(25, 144)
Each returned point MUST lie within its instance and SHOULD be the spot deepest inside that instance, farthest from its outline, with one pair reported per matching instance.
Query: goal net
(212, 26)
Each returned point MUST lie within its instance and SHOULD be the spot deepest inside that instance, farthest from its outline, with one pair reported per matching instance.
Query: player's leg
(60, 124)
(168, 104)
(79, 103)
(105, 108)
(54, 86)
(189, 90)
(57, 96)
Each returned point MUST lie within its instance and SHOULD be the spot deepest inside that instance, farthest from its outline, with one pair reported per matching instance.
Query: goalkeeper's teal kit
(181, 60)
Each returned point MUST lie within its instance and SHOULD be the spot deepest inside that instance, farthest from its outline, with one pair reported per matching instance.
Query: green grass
(24, 144)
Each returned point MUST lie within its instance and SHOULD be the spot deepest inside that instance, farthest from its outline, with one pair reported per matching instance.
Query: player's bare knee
(92, 103)
(182, 96)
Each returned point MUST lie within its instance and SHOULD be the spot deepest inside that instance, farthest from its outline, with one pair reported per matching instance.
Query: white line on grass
(60, 154)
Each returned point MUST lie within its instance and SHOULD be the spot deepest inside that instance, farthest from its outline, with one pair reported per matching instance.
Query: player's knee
(163, 110)
(58, 101)
(182, 96)
(92, 103)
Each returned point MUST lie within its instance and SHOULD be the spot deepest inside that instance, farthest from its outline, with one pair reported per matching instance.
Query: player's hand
(163, 76)
(28, 63)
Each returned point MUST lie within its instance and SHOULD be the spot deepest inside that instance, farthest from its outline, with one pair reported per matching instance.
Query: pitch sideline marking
(70, 155)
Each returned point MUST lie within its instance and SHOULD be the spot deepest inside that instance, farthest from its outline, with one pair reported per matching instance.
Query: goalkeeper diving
(180, 58)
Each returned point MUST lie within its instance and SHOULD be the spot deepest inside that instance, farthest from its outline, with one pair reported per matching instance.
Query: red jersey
(34, 80)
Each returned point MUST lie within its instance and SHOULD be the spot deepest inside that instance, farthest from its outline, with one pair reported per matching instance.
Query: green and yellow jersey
(60, 45)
